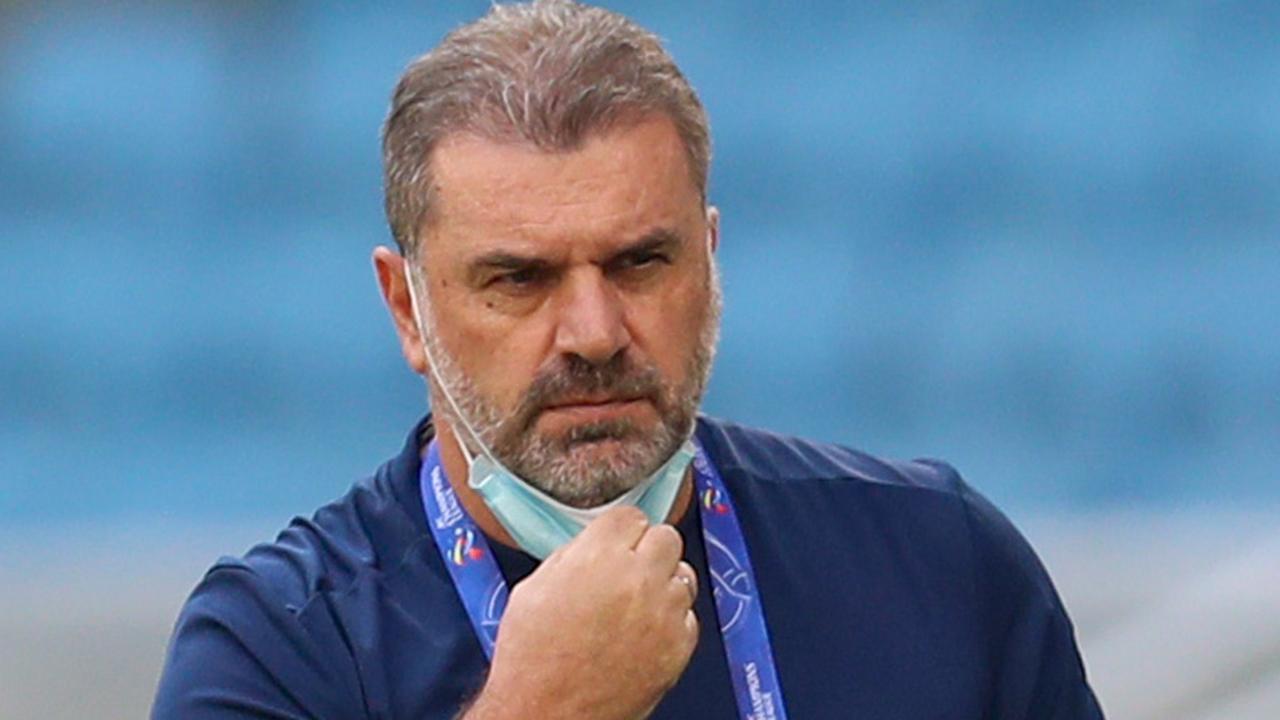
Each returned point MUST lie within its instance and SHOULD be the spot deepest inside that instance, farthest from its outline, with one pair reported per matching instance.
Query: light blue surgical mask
(540, 523)
(537, 522)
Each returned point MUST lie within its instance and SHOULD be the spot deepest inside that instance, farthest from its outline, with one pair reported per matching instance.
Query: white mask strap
(431, 367)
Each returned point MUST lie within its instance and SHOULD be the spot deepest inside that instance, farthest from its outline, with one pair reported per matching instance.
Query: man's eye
(517, 279)
(641, 260)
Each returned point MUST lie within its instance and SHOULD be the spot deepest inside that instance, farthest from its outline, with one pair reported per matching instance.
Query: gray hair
(547, 73)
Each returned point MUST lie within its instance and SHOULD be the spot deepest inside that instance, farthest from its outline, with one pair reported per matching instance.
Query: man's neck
(455, 469)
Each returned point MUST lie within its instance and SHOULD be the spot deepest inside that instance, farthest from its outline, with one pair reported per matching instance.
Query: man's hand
(601, 630)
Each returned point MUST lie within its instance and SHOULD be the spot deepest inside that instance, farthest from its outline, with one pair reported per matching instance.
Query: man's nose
(592, 318)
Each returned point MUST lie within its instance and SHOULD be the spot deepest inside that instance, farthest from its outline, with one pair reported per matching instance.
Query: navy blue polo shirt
(890, 589)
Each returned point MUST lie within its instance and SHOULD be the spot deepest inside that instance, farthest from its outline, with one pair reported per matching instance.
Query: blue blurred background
(1038, 240)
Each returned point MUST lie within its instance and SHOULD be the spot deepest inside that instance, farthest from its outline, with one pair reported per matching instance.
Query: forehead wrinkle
(602, 190)
(559, 226)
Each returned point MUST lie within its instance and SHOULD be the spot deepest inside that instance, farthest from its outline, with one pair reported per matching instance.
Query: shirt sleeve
(1038, 671)
(239, 652)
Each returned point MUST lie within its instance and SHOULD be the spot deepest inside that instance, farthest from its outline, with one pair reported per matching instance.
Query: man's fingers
(687, 578)
(661, 547)
(623, 526)
(691, 627)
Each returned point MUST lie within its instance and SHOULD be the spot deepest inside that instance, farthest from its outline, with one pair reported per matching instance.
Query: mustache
(573, 376)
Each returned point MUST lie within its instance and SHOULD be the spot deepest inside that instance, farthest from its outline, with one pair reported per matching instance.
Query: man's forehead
(622, 181)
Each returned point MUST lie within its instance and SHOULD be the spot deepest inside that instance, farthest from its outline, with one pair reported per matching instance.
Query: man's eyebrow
(657, 239)
(502, 260)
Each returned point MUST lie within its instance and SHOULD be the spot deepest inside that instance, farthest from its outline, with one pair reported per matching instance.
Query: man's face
(572, 303)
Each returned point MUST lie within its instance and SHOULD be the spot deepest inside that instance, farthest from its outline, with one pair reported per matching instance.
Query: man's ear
(389, 268)
(713, 228)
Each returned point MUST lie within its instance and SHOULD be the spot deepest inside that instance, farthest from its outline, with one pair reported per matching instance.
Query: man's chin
(615, 454)
(604, 456)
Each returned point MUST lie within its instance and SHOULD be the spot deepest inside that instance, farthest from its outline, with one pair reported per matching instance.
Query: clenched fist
(601, 630)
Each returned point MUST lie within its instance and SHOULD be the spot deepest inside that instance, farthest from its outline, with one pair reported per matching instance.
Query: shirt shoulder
(267, 632)
(368, 530)
(927, 497)
(921, 532)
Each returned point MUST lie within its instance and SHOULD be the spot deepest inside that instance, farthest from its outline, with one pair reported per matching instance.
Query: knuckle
(667, 536)
(691, 590)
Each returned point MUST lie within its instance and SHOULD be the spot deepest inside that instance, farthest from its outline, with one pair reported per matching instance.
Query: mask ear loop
(431, 367)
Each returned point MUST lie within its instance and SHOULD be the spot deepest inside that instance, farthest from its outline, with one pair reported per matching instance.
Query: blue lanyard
(483, 590)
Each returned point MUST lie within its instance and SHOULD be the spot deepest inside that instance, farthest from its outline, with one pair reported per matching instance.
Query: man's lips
(590, 402)
(594, 408)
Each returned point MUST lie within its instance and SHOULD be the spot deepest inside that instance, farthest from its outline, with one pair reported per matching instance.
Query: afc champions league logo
(464, 547)
(711, 500)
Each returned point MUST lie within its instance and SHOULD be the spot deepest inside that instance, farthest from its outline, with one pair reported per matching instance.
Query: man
(565, 537)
